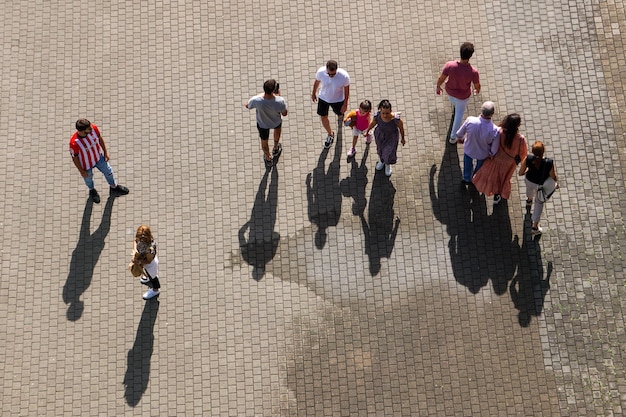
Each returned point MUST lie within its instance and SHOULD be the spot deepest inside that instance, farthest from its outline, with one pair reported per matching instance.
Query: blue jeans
(459, 111)
(104, 167)
(468, 167)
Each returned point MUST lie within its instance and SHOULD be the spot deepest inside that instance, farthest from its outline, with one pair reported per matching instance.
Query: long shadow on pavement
(481, 247)
(84, 259)
(529, 287)
(257, 239)
(138, 367)
(354, 186)
(324, 191)
(381, 230)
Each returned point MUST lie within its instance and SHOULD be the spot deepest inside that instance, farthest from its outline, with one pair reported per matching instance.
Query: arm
(442, 78)
(251, 103)
(104, 148)
(553, 175)
(495, 145)
(76, 161)
(522, 168)
(401, 128)
(316, 85)
(373, 123)
(476, 88)
(346, 93)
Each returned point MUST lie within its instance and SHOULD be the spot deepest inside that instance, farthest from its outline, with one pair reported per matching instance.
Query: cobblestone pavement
(319, 288)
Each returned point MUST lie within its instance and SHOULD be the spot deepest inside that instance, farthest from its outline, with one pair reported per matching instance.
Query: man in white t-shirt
(334, 90)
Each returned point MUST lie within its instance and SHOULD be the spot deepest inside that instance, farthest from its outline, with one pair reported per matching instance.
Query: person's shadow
(504, 248)
(257, 239)
(481, 247)
(354, 186)
(84, 259)
(138, 368)
(324, 191)
(529, 287)
(381, 230)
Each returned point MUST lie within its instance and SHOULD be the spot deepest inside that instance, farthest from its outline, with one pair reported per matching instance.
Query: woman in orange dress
(494, 177)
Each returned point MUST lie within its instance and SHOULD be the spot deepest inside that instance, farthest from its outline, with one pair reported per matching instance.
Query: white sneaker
(536, 232)
(144, 280)
(453, 141)
(388, 170)
(379, 165)
(151, 293)
(352, 152)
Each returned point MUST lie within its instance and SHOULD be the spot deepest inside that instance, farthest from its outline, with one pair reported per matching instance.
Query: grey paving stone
(349, 294)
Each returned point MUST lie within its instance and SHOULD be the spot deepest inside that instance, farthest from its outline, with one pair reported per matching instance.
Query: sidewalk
(321, 287)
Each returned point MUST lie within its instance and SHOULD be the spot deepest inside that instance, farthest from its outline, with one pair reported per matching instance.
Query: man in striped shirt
(88, 151)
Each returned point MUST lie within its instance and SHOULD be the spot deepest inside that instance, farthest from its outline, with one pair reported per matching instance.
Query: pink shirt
(362, 120)
(460, 79)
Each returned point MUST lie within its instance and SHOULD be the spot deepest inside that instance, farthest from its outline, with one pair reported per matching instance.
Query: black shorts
(265, 133)
(322, 107)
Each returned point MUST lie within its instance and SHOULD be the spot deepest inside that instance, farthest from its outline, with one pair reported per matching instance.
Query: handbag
(135, 269)
(545, 190)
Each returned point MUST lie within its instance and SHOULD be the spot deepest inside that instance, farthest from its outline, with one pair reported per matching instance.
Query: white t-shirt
(331, 88)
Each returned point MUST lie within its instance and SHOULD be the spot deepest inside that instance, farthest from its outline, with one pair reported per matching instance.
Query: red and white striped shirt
(87, 149)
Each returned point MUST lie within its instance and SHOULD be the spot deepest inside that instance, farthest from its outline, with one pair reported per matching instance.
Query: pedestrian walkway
(320, 287)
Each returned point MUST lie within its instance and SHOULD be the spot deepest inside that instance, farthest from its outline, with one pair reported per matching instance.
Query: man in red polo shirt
(88, 151)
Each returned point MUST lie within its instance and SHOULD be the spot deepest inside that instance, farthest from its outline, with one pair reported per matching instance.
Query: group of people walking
(491, 153)
(331, 90)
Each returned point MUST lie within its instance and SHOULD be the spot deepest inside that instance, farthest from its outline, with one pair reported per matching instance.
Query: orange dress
(494, 177)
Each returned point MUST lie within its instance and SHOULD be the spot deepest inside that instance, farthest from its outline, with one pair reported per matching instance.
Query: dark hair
(366, 104)
(510, 126)
(384, 104)
(270, 86)
(82, 124)
(332, 65)
(467, 50)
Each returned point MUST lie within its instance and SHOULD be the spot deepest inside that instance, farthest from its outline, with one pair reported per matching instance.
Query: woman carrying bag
(537, 170)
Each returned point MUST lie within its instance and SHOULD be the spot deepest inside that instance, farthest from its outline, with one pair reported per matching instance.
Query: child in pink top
(359, 120)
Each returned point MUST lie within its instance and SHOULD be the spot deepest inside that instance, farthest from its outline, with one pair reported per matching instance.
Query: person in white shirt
(333, 84)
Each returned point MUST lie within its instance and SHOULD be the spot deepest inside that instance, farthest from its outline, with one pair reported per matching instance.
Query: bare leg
(326, 125)
(266, 149)
(277, 133)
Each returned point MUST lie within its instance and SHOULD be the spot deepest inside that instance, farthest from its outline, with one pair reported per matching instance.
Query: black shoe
(496, 199)
(95, 197)
(276, 152)
(119, 190)
(269, 163)
(465, 182)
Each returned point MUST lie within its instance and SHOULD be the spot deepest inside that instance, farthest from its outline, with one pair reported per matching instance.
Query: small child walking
(359, 120)
(145, 262)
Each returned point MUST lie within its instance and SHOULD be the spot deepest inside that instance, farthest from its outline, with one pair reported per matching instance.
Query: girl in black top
(537, 169)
